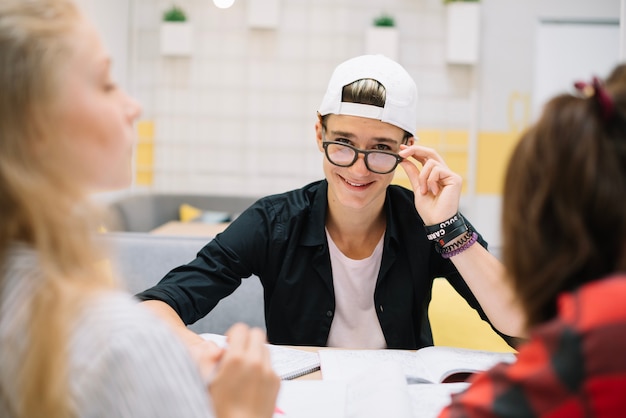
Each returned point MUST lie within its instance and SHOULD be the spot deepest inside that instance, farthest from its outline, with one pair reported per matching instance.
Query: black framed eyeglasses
(376, 161)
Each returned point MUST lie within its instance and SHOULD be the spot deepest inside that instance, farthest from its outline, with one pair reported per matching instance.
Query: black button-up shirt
(282, 240)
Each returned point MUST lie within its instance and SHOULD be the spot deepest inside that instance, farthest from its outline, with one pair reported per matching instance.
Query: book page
(288, 363)
(345, 364)
(427, 365)
(437, 363)
(378, 391)
(427, 400)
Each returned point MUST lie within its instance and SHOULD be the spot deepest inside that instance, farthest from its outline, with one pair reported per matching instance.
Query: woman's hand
(244, 384)
(437, 188)
(206, 354)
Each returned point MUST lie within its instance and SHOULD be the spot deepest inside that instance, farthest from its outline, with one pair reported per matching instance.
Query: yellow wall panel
(143, 177)
(145, 130)
(429, 138)
(450, 144)
(494, 150)
(457, 161)
(456, 138)
(144, 156)
(144, 153)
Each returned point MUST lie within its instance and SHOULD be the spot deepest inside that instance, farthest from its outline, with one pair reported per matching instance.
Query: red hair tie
(599, 93)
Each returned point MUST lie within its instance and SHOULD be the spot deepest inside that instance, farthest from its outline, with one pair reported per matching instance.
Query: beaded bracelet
(445, 253)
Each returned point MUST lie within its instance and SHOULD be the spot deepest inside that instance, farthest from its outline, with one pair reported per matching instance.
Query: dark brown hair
(617, 76)
(564, 223)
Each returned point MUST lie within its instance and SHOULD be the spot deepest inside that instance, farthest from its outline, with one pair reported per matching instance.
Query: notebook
(288, 363)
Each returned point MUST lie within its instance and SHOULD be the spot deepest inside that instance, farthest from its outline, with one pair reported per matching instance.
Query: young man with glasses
(349, 261)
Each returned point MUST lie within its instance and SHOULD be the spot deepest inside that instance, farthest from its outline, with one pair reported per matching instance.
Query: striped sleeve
(128, 364)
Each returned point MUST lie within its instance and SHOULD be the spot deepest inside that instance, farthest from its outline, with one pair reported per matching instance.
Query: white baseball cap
(401, 91)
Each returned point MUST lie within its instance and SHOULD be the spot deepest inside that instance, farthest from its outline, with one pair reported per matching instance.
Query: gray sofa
(141, 260)
(144, 212)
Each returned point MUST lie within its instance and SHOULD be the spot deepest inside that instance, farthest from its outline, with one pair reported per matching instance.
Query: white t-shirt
(124, 362)
(355, 324)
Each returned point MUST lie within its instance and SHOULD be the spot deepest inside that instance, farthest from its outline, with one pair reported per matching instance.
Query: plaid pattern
(573, 366)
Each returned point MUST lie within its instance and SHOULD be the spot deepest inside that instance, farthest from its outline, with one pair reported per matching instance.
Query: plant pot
(176, 38)
(382, 40)
(463, 32)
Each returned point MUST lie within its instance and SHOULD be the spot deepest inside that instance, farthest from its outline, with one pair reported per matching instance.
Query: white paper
(428, 399)
(311, 399)
(379, 391)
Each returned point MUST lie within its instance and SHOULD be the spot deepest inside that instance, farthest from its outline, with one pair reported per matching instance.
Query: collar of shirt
(314, 233)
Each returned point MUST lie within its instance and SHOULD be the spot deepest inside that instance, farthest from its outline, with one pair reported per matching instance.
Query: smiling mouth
(355, 184)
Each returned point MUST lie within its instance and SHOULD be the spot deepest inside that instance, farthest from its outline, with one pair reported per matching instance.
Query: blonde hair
(40, 205)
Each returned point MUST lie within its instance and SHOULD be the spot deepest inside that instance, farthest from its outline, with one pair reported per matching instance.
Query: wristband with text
(446, 231)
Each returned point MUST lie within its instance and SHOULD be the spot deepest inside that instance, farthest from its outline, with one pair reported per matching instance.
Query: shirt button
(329, 313)
(381, 308)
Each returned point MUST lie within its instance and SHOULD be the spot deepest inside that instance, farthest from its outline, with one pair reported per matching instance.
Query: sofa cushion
(145, 212)
(141, 260)
(188, 213)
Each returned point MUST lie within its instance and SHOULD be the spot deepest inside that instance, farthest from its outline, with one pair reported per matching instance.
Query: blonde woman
(71, 344)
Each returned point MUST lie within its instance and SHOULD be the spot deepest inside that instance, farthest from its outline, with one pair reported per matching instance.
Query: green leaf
(384, 20)
(174, 14)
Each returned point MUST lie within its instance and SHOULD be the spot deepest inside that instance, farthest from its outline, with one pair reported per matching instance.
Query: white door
(566, 52)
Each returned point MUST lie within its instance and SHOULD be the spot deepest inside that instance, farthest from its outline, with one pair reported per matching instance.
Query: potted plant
(174, 14)
(384, 21)
(176, 33)
(463, 31)
(382, 37)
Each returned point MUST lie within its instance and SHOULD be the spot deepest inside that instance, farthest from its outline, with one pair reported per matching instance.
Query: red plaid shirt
(572, 366)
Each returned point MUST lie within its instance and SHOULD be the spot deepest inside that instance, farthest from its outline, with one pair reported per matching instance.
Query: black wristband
(437, 231)
(449, 236)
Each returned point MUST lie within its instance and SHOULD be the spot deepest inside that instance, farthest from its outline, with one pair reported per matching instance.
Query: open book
(378, 391)
(427, 365)
(288, 363)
